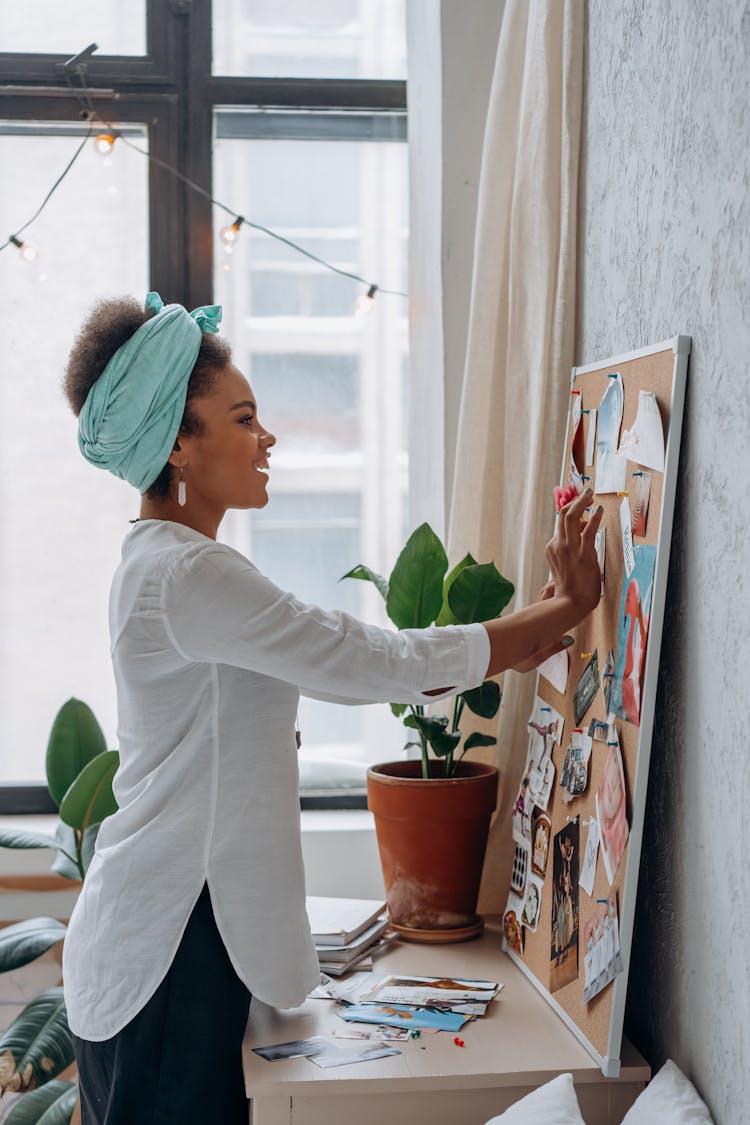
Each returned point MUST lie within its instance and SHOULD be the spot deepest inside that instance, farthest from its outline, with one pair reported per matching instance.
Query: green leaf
(415, 589)
(53, 1104)
(90, 798)
(477, 739)
(446, 617)
(65, 864)
(75, 739)
(484, 700)
(398, 709)
(25, 941)
(18, 838)
(433, 727)
(368, 575)
(479, 593)
(37, 1046)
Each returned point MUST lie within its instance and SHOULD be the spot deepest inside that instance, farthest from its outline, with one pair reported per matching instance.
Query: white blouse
(209, 660)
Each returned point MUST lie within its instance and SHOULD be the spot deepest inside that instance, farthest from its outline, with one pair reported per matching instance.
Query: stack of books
(346, 932)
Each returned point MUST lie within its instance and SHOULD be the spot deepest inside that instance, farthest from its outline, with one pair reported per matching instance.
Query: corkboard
(598, 1023)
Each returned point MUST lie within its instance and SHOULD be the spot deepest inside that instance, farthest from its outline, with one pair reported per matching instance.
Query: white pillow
(555, 1103)
(669, 1099)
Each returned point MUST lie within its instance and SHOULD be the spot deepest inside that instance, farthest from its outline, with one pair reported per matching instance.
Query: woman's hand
(571, 555)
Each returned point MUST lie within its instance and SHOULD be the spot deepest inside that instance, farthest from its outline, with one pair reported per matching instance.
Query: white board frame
(680, 346)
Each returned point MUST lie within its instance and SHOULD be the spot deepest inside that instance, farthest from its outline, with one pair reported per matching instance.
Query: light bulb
(104, 143)
(365, 303)
(230, 233)
(27, 250)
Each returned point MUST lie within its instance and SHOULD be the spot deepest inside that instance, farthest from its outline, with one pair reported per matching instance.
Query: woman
(195, 896)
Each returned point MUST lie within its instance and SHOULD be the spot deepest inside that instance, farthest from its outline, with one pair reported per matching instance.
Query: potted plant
(432, 815)
(37, 1047)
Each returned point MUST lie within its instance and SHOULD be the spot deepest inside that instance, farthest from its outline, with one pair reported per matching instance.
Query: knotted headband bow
(133, 411)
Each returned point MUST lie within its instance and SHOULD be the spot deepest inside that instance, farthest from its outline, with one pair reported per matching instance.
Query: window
(299, 122)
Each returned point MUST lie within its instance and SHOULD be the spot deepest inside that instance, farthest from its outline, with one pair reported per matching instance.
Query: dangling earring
(182, 489)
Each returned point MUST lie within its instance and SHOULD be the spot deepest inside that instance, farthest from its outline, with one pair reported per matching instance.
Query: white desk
(517, 1046)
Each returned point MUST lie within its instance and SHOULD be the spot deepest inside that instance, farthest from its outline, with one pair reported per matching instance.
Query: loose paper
(588, 867)
(611, 469)
(627, 536)
(555, 670)
(644, 443)
(591, 439)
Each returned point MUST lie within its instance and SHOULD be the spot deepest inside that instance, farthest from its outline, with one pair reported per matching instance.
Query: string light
(365, 303)
(27, 250)
(104, 143)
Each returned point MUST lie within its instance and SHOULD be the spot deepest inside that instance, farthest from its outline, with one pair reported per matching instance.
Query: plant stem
(79, 853)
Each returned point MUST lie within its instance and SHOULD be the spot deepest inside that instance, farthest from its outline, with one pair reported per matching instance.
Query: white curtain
(520, 343)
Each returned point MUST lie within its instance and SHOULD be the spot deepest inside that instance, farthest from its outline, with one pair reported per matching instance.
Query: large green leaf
(398, 709)
(446, 616)
(479, 593)
(65, 861)
(415, 588)
(90, 798)
(19, 838)
(484, 700)
(75, 739)
(25, 941)
(53, 1104)
(37, 1046)
(368, 575)
(477, 739)
(433, 727)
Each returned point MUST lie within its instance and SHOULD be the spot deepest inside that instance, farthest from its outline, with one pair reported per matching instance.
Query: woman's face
(226, 463)
(611, 791)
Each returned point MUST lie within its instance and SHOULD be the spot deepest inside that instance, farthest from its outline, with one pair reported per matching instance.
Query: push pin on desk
(459, 1042)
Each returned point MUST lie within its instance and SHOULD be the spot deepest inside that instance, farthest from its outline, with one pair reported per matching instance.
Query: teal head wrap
(133, 411)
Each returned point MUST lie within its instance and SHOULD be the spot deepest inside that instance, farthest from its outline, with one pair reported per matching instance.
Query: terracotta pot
(432, 836)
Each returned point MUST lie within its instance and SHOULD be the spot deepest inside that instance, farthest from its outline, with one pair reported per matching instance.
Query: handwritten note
(627, 536)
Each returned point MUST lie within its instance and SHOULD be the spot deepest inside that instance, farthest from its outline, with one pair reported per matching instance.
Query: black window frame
(172, 91)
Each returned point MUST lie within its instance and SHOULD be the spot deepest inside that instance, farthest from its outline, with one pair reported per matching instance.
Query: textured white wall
(664, 248)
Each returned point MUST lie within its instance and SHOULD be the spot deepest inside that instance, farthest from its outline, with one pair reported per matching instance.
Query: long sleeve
(218, 608)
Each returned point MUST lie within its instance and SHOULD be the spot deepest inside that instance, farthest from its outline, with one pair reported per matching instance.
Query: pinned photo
(608, 676)
(564, 925)
(635, 614)
(520, 868)
(611, 468)
(602, 960)
(611, 808)
(588, 686)
(512, 930)
(541, 833)
(532, 904)
(575, 772)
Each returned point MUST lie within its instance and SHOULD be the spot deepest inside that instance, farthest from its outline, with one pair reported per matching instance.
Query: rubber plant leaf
(37, 1046)
(90, 798)
(74, 740)
(415, 588)
(52, 1104)
(477, 739)
(25, 941)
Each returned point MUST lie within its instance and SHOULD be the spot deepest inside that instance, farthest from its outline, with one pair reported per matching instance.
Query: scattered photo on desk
(379, 1031)
(296, 1049)
(588, 686)
(323, 1053)
(602, 960)
(564, 936)
(635, 614)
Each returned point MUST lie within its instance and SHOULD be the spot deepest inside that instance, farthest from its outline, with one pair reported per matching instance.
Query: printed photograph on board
(564, 943)
(635, 613)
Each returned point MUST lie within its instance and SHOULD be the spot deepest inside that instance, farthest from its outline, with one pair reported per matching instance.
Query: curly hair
(110, 323)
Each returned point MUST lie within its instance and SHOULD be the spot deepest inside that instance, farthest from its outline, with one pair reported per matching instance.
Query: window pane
(63, 520)
(331, 386)
(310, 38)
(49, 27)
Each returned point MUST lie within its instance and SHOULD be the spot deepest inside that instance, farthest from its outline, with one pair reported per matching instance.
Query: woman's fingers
(589, 532)
(569, 521)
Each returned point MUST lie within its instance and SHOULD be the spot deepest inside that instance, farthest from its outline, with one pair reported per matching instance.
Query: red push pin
(458, 1042)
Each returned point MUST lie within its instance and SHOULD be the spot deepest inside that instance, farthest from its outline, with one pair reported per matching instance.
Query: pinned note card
(627, 536)
(644, 443)
(588, 867)
(611, 468)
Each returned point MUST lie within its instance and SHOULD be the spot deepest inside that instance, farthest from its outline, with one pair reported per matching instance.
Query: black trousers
(179, 1059)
